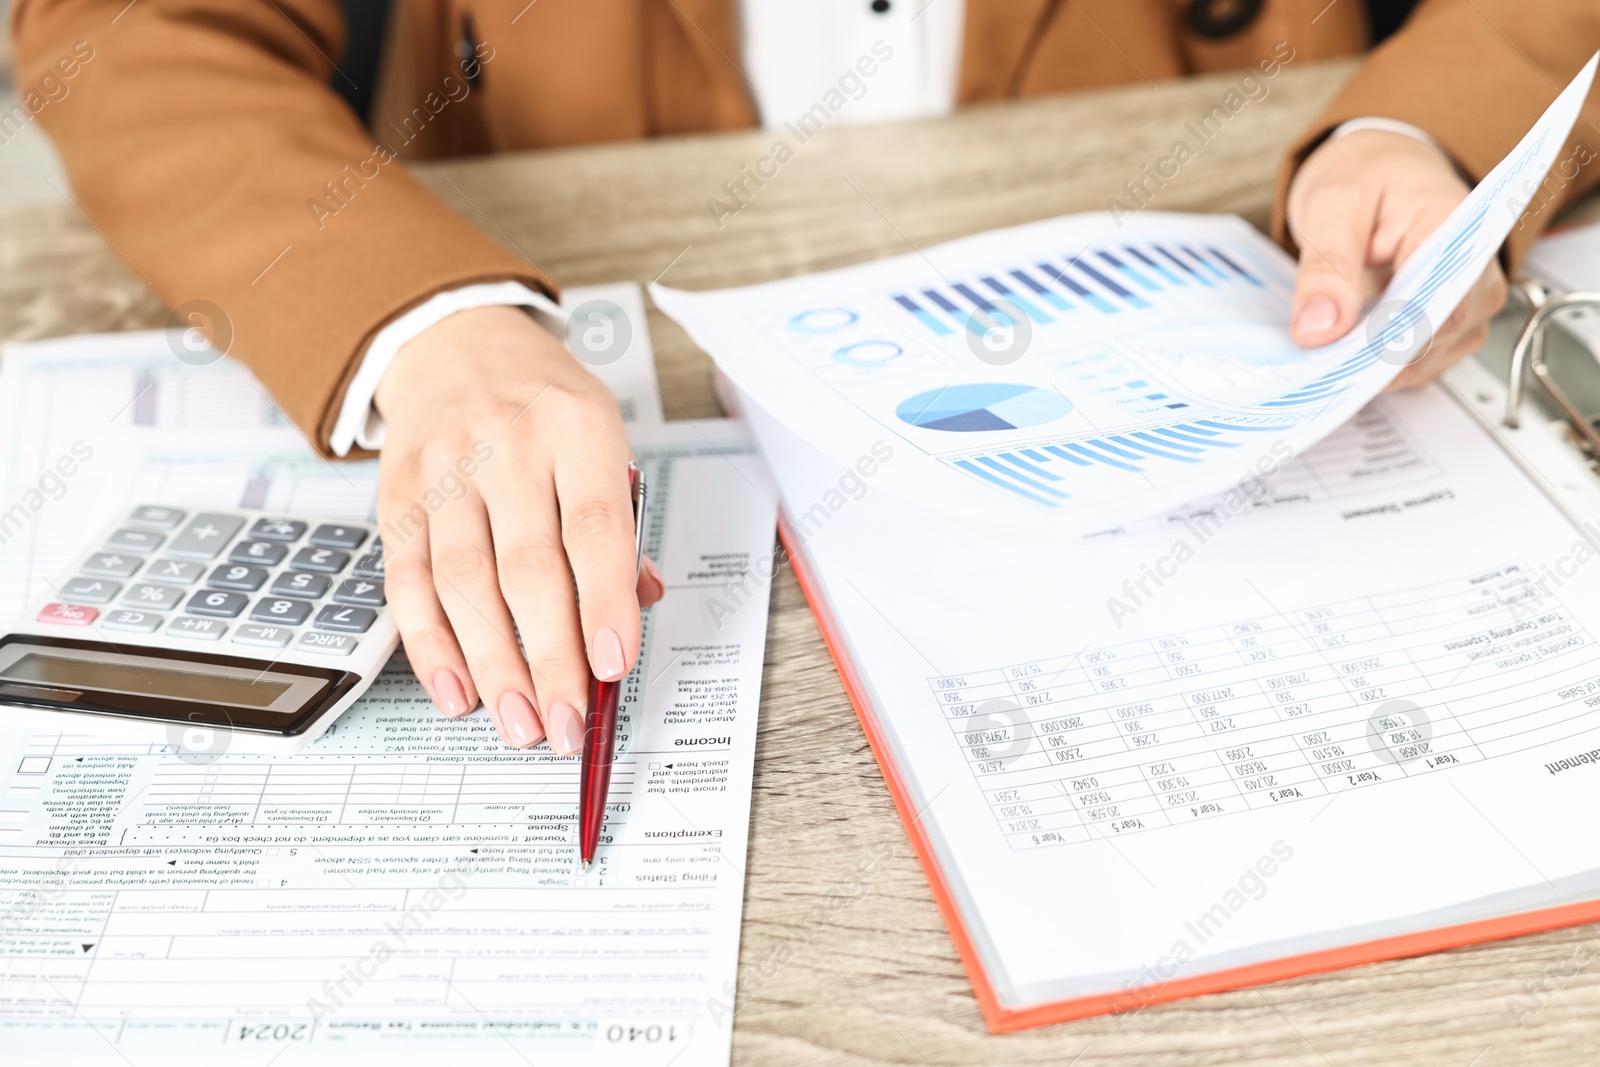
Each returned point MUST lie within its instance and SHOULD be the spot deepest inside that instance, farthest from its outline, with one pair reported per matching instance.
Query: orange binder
(1001, 1019)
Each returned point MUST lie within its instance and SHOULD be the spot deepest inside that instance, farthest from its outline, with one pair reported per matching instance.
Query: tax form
(408, 888)
(1079, 372)
(1356, 696)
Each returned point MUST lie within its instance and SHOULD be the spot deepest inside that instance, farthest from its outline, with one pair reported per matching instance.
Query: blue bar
(1099, 302)
(1153, 451)
(1196, 275)
(1031, 468)
(1055, 299)
(1108, 460)
(1037, 486)
(1145, 436)
(1079, 460)
(997, 480)
(1130, 272)
(1246, 275)
(1181, 436)
(1027, 306)
(1240, 429)
(1155, 266)
(977, 300)
(1031, 454)
(954, 312)
(1195, 429)
(923, 316)
(1127, 294)
(1204, 262)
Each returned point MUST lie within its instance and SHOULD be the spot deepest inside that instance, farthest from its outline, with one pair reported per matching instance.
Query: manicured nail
(517, 722)
(449, 694)
(1317, 317)
(605, 655)
(566, 729)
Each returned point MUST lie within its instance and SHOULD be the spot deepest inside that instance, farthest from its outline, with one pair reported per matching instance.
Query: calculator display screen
(146, 680)
(185, 687)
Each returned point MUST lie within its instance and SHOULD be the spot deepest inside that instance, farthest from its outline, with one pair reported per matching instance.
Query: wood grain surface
(871, 977)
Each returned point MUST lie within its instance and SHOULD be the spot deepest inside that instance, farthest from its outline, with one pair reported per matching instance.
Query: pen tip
(586, 864)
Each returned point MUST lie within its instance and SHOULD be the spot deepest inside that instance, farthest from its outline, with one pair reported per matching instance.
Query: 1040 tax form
(408, 888)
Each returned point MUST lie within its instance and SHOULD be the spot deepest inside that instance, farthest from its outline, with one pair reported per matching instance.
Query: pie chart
(983, 406)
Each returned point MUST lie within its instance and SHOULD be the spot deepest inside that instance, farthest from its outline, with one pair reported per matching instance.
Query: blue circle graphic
(870, 354)
(983, 406)
(823, 320)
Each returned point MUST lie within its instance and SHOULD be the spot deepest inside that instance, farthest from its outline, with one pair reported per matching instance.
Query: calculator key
(197, 629)
(280, 609)
(285, 530)
(326, 560)
(345, 620)
(261, 553)
(299, 583)
(369, 566)
(154, 597)
(111, 565)
(138, 622)
(331, 535)
(206, 536)
(238, 576)
(91, 590)
(68, 615)
(216, 602)
(156, 518)
(176, 570)
(356, 591)
(266, 636)
(328, 644)
(140, 541)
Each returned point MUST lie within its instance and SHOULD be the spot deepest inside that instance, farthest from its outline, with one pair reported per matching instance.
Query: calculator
(207, 630)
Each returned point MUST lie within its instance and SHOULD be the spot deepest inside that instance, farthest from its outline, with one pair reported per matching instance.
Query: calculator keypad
(260, 553)
(217, 602)
(176, 570)
(302, 584)
(282, 610)
(238, 576)
(112, 565)
(153, 597)
(323, 560)
(91, 590)
(141, 541)
(206, 536)
(204, 576)
(286, 530)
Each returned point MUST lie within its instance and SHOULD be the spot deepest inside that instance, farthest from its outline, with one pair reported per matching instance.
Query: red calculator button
(68, 614)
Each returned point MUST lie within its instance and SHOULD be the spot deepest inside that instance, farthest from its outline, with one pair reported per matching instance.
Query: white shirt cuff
(1375, 122)
(359, 424)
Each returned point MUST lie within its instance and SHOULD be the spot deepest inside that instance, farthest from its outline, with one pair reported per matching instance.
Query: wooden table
(877, 982)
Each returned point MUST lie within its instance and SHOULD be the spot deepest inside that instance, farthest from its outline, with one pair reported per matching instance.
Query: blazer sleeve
(1476, 74)
(203, 139)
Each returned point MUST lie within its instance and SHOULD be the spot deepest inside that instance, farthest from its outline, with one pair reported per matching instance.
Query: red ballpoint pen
(600, 728)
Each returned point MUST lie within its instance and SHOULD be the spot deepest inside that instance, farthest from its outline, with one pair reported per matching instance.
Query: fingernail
(653, 571)
(605, 655)
(449, 693)
(566, 729)
(1318, 316)
(517, 722)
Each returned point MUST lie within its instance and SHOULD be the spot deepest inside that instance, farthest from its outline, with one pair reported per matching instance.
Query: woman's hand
(1358, 207)
(503, 498)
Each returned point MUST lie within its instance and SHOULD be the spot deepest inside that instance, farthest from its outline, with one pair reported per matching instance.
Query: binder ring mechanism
(1544, 304)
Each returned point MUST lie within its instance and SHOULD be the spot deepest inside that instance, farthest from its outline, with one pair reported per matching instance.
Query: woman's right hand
(503, 499)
